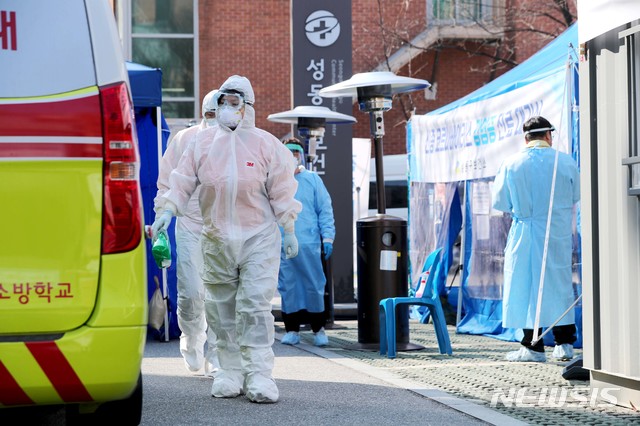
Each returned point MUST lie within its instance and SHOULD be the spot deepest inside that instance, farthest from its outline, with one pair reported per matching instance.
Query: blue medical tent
(146, 91)
(454, 153)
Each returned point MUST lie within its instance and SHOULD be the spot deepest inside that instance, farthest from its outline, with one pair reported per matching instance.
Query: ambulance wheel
(125, 412)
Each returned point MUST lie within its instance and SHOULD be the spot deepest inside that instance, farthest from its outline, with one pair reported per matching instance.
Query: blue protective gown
(523, 187)
(301, 280)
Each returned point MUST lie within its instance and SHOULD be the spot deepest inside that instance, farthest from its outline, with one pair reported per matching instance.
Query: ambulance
(73, 301)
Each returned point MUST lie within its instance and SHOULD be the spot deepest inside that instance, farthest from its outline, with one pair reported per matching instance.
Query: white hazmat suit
(247, 189)
(191, 316)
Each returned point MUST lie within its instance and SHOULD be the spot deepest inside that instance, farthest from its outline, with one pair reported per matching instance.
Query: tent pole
(462, 244)
(166, 303)
(165, 287)
(565, 106)
(575, 302)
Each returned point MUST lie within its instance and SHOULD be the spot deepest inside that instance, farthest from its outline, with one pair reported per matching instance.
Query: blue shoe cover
(291, 338)
(321, 338)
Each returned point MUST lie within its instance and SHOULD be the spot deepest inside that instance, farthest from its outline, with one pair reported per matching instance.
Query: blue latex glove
(328, 249)
(290, 245)
(161, 223)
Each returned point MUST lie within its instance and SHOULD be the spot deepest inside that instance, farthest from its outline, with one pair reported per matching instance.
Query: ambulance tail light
(121, 210)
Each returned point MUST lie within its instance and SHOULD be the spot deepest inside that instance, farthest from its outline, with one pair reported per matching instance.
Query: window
(162, 34)
(460, 11)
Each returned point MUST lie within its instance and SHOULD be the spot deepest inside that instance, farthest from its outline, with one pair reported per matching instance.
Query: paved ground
(314, 390)
(477, 373)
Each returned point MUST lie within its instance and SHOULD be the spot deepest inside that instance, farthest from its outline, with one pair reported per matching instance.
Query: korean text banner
(471, 141)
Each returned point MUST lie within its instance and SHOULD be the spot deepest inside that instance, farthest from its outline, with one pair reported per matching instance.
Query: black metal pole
(328, 293)
(377, 131)
(382, 203)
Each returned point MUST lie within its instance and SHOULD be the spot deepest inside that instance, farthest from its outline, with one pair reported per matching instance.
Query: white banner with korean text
(471, 141)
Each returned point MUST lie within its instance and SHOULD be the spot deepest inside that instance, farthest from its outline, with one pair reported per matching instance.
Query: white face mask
(210, 122)
(228, 116)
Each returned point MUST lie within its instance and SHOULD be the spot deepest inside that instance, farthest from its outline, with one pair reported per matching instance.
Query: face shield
(234, 101)
(238, 84)
(541, 130)
(297, 152)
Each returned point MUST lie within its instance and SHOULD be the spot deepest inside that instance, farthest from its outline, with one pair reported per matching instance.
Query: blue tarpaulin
(146, 91)
(146, 85)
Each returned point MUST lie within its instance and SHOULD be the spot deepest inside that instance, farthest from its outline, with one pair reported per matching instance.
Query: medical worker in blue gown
(522, 188)
(301, 281)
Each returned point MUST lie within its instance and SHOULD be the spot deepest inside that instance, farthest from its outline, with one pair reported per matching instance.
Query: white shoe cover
(320, 338)
(563, 352)
(526, 355)
(291, 338)
(227, 384)
(210, 368)
(211, 361)
(261, 389)
(192, 352)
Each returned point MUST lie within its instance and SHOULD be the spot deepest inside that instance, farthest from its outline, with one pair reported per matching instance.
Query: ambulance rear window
(44, 56)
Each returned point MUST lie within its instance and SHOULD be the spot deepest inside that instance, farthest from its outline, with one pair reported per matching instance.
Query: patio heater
(381, 240)
(311, 122)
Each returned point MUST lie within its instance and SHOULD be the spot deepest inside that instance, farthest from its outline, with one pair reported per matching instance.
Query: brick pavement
(477, 372)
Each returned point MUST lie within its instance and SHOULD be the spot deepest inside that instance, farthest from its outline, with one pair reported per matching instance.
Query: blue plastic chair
(429, 298)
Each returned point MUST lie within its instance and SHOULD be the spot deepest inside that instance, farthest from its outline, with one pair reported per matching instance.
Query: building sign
(321, 33)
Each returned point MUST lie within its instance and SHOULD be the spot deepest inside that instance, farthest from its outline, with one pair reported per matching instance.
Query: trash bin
(382, 272)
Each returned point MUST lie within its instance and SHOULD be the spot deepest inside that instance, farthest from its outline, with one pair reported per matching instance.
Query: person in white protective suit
(191, 316)
(301, 281)
(247, 190)
(522, 188)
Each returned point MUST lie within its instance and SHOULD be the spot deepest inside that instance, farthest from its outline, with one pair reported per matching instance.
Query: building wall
(537, 21)
(250, 39)
(239, 37)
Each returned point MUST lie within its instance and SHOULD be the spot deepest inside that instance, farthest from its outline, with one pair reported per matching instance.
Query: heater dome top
(383, 79)
(312, 112)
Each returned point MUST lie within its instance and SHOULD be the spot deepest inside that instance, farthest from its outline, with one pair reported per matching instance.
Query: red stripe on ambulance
(56, 367)
(50, 150)
(10, 391)
(51, 118)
